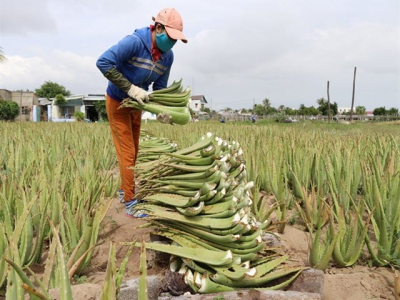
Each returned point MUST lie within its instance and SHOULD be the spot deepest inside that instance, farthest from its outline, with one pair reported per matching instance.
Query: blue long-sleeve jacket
(132, 57)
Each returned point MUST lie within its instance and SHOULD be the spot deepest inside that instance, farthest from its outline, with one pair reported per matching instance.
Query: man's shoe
(121, 196)
(131, 211)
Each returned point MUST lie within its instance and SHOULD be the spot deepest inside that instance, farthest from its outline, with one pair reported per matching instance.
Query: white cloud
(238, 52)
(76, 73)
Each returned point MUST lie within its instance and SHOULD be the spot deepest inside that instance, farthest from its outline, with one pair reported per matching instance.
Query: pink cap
(172, 21)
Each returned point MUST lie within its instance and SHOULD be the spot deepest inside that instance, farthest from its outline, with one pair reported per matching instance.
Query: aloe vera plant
(58, 184)
(382, 192)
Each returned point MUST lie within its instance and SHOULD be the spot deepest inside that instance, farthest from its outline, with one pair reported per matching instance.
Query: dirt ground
(356, 283)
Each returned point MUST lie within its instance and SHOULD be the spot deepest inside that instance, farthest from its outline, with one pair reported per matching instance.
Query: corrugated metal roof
(199, 97)
(73, 102)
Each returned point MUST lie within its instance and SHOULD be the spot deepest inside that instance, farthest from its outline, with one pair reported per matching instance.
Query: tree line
(324, 108)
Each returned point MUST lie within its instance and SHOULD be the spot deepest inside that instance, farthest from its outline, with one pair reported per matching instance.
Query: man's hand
(164, 117)
(140, 95)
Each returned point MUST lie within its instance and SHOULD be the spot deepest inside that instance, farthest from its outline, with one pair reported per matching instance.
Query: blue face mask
(164, 43)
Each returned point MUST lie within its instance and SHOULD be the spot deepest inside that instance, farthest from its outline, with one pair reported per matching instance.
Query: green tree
(303, 110)
(51, 90)
(393, 112)
(308, 111)
(323, 107)
(60, 100)
(267, 106)
(290, 111)
(360, 110)
(380, 111)
(9, 110)
(259, 110)
(100, 107)
(314, 111)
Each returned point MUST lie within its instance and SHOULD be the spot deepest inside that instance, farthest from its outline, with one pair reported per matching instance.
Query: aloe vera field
(329, 192)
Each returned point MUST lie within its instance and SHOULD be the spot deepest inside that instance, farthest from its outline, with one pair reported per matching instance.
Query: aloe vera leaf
(217, 258)
(224, 214)
(50, 262)
(208, 286)
(189, 168)
(41, 285)
(121, 270)
(109, 287)
(192, 210)
(195, 266)
(34, 294)
(3, 248)
(218, 196)
(203, 234)
(25, 279)
(65, 288)
(142, 290)
(200, 161)
(189, 278)
(160, 212)
(185, 241)
(326, 255)
(169, 89)
(251, 236)
(171, 189)
(204, 142)
(75, 266)
(219, 207)
(267, 267)
(14, 281)
(179, 183)
(283, 284)
(254, 281)
(234, 272)
(191, 176)
(19, 227)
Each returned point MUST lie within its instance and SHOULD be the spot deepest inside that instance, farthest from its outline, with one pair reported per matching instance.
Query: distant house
(27, 102)
(343, 110)
(197, 103)
(65, 112)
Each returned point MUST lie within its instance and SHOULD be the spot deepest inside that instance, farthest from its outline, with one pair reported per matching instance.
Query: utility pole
(352, 98)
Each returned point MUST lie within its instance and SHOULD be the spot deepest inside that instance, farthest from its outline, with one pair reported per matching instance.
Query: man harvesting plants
(131, 66)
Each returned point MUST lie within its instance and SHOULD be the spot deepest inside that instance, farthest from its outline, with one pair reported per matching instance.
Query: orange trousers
(125, 129)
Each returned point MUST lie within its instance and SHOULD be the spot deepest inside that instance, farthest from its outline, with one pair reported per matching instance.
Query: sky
(238, 52)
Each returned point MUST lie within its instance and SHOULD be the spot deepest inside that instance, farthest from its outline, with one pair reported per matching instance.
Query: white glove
(139, 94)
(164, 117)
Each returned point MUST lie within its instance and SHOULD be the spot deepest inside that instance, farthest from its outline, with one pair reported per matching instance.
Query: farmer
(131, 66)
